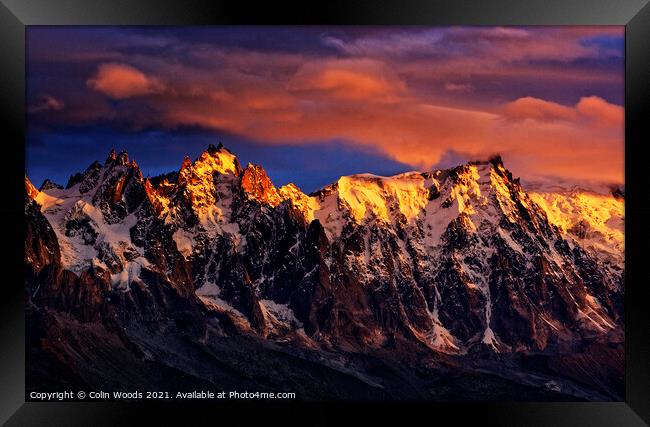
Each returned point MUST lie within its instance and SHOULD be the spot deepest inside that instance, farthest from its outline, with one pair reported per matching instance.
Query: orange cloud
(538, 109)
(592, 109)
(533, 149)
(601, 112)
(348, 84)
(120, 81)
(348, 79)
(420, 134)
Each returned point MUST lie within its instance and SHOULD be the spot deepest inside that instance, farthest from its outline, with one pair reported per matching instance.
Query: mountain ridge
(453, 261)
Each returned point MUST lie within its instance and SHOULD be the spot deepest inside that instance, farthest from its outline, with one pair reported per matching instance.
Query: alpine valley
(455, 284)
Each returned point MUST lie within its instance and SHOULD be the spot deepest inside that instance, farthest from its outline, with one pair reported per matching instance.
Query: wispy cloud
(45, 103)
(458, 87)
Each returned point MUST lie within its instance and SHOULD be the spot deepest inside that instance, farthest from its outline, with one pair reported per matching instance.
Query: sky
(310, 104)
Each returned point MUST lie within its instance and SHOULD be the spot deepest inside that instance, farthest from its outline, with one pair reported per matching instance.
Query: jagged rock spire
(187, 163)
(256, 183)
(213, 150)
(30, 190)
(185, 170)
(48, 185)
(111, 156)
(496, 160)
(123, 157)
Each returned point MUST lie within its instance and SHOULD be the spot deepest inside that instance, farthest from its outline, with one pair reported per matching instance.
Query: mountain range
(454, 284)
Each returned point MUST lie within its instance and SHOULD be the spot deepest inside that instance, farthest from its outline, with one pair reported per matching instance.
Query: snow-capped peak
(216, 160)
(409, 197)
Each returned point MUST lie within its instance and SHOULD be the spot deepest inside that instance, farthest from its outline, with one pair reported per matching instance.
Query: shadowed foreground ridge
(454, 284)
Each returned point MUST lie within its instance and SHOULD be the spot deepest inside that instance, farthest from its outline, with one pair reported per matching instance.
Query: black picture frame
(15, 15)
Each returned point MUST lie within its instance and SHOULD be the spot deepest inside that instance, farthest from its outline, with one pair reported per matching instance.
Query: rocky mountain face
(419, 285)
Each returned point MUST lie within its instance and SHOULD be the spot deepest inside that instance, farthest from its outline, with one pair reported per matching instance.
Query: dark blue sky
(57, 155)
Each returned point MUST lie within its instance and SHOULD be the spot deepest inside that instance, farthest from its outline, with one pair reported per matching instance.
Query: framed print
(403, 208)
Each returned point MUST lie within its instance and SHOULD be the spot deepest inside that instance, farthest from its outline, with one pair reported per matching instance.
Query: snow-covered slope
(593, 215)
(451, 223)
(89, 236)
